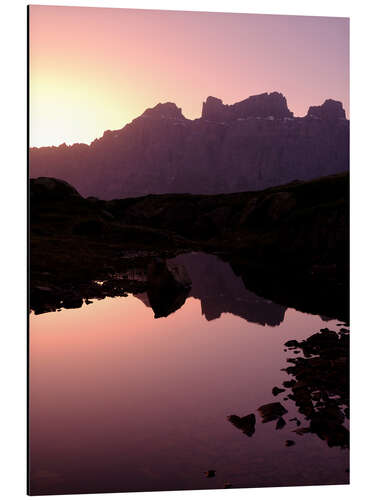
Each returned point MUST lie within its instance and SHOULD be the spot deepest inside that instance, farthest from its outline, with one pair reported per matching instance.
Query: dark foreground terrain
(288, 243)
(278, 253)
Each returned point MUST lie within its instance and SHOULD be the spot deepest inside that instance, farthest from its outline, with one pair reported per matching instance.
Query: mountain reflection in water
(120, 401)
(221, 291)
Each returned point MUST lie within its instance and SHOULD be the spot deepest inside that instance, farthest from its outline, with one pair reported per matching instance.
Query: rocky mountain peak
(213, 109)
(329, 110)
(261, 105)
(164, 110)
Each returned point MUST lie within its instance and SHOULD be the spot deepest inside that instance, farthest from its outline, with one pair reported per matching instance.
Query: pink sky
(93, 69)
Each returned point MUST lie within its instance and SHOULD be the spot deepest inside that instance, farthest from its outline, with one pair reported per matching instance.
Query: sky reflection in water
(120, 401)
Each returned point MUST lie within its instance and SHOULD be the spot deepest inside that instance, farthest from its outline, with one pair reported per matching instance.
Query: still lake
(120, 401)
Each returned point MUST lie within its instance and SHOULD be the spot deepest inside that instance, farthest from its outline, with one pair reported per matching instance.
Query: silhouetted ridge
(329, 110)
(165, 110)
(262, 106)
(250, 145)
(48, 189)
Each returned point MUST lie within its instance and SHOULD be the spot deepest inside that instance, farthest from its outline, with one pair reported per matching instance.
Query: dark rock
(210, 473)
(228, 485)
(165, 275)
(280, 423)
(330, 110)
(302, 430)
(316, 395)
(44, 298)
(168, 287)
(278, 205)
(289, 383)
(277, 390)
(329, 429)
(291, 343)
(92, 227)
(321, 385)
(289, 442)
(295, 419)
(107, 214)
(301, 387)
(49, 188)
(46, 289)
(327, 270)
(271, 411)
(246, 424)
(72, 301)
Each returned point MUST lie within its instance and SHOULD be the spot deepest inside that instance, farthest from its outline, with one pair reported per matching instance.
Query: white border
(13, 241)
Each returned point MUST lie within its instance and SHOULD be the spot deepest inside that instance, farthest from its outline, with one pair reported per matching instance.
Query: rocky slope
(287, 243)
(250, 145)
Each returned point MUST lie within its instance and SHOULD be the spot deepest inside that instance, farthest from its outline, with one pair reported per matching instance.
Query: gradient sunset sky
(93, 69)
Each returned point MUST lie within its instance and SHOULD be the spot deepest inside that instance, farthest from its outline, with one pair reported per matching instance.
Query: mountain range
(250, 145)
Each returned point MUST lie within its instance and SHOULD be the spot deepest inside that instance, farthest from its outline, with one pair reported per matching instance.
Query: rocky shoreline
(289, 243)
(319, 387)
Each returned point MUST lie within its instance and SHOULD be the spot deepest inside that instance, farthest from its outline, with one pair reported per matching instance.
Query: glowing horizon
(94, 69)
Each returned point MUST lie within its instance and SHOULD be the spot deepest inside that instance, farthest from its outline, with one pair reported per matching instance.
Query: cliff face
(249, 145)
(261, 106)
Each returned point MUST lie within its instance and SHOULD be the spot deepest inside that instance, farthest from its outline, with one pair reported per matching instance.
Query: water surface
(120, 401)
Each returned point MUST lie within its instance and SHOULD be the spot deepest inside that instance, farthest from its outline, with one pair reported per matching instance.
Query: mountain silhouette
(250, 145)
